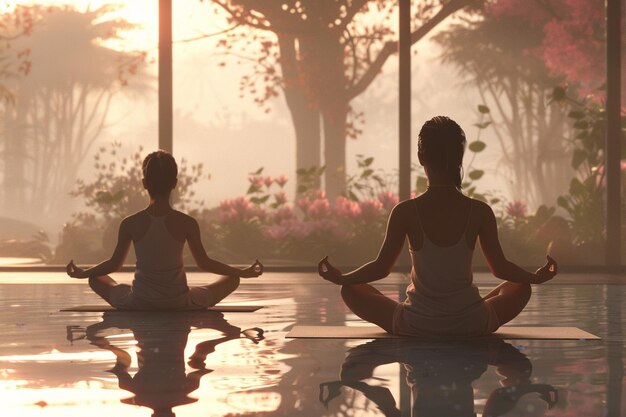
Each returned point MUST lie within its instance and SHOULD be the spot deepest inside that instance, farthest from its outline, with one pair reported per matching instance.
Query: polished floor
(241, 364)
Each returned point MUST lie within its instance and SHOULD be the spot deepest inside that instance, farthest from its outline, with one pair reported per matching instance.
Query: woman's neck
(442, 184)
(159, 206)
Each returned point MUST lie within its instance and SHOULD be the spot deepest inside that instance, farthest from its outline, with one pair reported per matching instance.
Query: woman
(159, 234)
(442, 226)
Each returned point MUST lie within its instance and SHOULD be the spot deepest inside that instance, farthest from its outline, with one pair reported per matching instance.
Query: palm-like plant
(496, 55)
(61, 102)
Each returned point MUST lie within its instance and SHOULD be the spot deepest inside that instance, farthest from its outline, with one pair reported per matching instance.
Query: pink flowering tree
(573, 40)
(501, 54)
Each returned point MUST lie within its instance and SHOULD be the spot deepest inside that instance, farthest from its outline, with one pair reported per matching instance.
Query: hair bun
(160, 172)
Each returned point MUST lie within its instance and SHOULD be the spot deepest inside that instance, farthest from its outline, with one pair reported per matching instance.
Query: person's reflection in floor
(440, 376)
(161, 382)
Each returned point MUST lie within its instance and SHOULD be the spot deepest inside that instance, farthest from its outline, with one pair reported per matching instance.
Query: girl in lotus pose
(442, 226)
(159, 234)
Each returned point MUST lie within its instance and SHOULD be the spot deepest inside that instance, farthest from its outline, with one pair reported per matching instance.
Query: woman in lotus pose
(442, 226)
(159, 234)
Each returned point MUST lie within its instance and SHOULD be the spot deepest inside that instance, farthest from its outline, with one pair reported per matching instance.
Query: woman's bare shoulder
(403, 208)
(183, 219)
(481, 208)
(135, 218)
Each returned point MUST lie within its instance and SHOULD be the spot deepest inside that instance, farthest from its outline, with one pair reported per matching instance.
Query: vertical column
(404, 145)
(165, 76)
(613, 132)
(404, 101)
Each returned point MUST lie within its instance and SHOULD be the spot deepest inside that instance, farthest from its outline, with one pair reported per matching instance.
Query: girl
(442, 226)
(159, 234)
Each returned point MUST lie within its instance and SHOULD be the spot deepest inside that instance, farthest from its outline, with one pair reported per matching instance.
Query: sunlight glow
(143, 13)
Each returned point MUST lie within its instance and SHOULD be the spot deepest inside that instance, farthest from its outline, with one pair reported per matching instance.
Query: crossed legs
(508, 300)
(211, 294)
(207, 295)
(103, 285)
(370, 304)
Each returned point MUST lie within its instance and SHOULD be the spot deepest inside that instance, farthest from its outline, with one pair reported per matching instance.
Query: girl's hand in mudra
(253, 270)
(329, 272)
(546, 272)
(75, 271)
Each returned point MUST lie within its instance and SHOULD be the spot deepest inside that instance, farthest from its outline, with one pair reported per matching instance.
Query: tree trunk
(335, 152)
(304, 114)
(329, 84)
(15, 157)
(306, 123)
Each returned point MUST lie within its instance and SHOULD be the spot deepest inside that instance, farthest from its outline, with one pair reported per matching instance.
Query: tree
(13, 63)
(61, 103)
(496, 54)
(574, 40)
(321, 55)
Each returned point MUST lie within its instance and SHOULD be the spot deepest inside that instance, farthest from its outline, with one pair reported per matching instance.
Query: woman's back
(441, 298)
(443, 214)
(442, 263)
(157, 249)
(159, 277)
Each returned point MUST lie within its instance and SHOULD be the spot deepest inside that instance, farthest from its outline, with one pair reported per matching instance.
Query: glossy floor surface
(241, 364)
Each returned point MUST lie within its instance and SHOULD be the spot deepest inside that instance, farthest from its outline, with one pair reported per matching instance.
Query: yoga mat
(372, 332)
(223, 309)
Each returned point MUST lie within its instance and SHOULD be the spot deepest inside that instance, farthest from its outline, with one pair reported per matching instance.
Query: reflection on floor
(240, 364)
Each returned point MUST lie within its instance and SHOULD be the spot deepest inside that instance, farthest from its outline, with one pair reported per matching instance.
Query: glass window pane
(79, 101)
(257, 106)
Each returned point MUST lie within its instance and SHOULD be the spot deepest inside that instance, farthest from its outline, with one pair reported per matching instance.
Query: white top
(441, 298)
(160, 278)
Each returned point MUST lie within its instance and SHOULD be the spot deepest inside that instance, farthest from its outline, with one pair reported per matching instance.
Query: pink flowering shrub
(318, 208)
(389, 199)
(265, 224)
(516, 209)
(240, 209)
(371, 211)
(347, 209)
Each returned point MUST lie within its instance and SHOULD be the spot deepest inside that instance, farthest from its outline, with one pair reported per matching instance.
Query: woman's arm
(114, 263)
(499, 265)
(387, 256)
(211, 265)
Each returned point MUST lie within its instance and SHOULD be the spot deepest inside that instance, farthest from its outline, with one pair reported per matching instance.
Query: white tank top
(160, 278)
(441, 298)
(444, 272)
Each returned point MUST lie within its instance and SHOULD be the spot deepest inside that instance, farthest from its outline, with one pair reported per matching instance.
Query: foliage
(585, 201)
(369, 183)
(497, 55)
(574, 39)
(62, 101)
(320, 55)
(519, 232)
(14, 62)
(264, 224)
(117, 190)
(477, 146)
(309, 179)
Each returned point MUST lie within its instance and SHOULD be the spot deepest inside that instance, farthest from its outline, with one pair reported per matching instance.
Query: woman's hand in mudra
(253, 271)
(329, 272)
(75, 271)
(546, 272)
